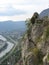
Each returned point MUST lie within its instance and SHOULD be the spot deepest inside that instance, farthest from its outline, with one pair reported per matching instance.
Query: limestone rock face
(36, 31)
(36, 43)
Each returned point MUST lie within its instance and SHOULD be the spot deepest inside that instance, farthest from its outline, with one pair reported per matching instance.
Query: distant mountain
(7, 26)
(44, 13)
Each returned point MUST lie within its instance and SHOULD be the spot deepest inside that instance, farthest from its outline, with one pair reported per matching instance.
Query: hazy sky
(20, 9)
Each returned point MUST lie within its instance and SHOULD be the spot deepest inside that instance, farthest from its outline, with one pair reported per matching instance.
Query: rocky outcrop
(36, 42)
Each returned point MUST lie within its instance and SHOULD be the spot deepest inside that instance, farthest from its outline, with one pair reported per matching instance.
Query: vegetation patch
(47, 32)
(48, 57)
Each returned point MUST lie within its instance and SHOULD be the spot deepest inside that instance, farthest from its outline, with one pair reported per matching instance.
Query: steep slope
(35, 43)
(44, 13)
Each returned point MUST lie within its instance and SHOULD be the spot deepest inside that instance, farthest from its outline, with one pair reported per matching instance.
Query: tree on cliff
(34, 17)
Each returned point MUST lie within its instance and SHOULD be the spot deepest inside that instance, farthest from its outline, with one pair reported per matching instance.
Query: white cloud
(11, 11)
(26, 6)
(14, 18)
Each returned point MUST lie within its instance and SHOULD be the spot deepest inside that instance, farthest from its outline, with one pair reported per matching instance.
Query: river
(9, 47)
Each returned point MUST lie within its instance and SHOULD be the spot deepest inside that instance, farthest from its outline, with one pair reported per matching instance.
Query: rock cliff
(35, 43)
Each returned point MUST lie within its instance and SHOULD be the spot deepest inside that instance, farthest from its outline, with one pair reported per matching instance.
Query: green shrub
(47, 32)
(48, 57)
